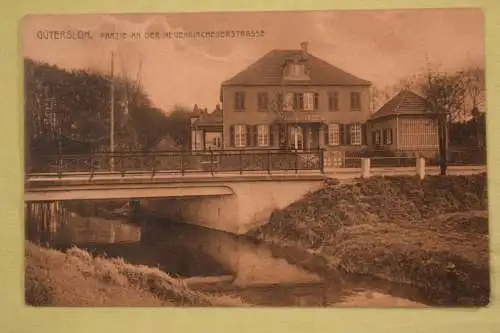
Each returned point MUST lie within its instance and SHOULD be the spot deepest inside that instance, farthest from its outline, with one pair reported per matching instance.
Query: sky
(380, 46)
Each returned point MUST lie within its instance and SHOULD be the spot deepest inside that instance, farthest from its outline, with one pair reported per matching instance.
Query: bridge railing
(178, 162)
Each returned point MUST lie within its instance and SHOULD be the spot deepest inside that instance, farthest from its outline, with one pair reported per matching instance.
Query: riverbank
(76, 278)
(431, 235)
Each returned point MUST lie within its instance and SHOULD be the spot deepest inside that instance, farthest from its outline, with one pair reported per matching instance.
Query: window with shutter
(298, 102)
(355, 101)
(333, 101)
(240, 139)
(262, 101)
(355, 133)
(263, 135)
(389, 136)
(239, 101)
(309, 101)
(288, 102)
(333, 134)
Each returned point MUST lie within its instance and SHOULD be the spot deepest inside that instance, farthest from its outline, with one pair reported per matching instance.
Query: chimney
(303, 48)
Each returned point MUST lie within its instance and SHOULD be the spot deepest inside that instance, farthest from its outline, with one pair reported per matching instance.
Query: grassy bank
(430, 234)
(76, 278)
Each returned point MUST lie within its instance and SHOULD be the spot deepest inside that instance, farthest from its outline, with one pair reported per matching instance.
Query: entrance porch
(300, 136)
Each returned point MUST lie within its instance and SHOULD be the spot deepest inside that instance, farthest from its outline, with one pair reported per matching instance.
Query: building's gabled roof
(198, 112)
(268, 70)
(406, 102)
(209, 119)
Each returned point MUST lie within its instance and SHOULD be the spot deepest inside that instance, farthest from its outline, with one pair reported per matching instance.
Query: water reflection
(233, 264)
(181, 249)
(96, 230)
(249, 263)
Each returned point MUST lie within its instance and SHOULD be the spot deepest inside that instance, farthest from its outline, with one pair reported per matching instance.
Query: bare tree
(378, 97)
(446, 94)
(474, 81)
(381, 95)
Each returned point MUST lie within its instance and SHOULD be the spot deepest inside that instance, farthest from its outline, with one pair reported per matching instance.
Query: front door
(297, 138)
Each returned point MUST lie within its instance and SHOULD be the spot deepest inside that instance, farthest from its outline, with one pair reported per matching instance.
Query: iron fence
(397, 162)
(351, 162)
(457, 157)
(178, 162)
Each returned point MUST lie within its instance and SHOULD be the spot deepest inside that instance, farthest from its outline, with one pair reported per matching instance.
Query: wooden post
(421, 167)
(365, 168)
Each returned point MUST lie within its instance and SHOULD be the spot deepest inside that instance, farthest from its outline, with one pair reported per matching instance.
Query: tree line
(69, 112)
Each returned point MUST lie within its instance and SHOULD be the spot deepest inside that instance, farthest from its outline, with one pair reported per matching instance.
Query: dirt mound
(432, 233)
(75, 278)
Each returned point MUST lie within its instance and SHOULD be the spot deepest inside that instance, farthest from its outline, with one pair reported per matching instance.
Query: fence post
(241, 162)
(296, 162)
(321, 160)
(420, 167)
(60, 157)
(59, 166)
(269, 162)
(153, 162)
(365, 167)
(182, 162)
(211, 161)
(91, 163)
(122, 158)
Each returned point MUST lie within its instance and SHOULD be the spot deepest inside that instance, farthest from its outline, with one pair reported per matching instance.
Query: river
(212, 260)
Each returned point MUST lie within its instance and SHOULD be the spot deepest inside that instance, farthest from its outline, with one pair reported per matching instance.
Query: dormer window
(296, 70)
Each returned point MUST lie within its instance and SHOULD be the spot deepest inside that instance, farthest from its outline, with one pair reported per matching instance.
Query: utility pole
(112, 116)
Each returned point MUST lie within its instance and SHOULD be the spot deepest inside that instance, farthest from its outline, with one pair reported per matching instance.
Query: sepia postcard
(256, 159)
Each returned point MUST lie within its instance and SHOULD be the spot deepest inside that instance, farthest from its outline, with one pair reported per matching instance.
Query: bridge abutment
(250, 205)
